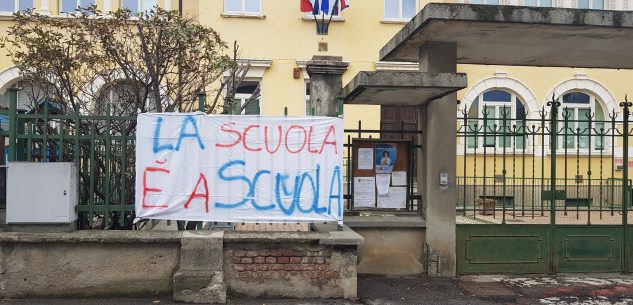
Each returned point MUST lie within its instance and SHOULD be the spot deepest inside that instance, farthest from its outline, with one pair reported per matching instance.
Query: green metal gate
(546, 192)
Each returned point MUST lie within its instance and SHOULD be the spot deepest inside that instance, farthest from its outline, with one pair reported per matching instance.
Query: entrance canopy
(401, 88)
(518, 35)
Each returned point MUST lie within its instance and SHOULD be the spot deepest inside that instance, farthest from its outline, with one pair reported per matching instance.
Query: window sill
(490, 151)
(536, 152)
(45, 12)
(242, 15)
(395, 21)
(334, 18)
(606, 153)
(70, 16)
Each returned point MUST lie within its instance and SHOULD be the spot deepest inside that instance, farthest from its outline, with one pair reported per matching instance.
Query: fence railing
(102, 147)
(564, 159)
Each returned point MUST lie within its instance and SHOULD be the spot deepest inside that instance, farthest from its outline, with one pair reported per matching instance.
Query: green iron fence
(517, 162)
(102, 147)
(546, 191)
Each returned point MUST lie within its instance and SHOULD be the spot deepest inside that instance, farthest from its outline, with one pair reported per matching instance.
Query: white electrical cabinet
(41, 193)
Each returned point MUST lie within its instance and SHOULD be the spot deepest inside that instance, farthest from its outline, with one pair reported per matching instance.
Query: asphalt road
(610, 289)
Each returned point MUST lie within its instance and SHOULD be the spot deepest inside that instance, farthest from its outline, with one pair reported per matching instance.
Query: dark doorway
(398, 118)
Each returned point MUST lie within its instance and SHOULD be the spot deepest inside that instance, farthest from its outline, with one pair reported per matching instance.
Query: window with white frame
(400, 9)
(70, 6)
(8, 7)
(539, 3)
(137, 6)
(492, 119)
(243, 7)
(244, 99)
(581, 117)
(590, 4)
(489, 2)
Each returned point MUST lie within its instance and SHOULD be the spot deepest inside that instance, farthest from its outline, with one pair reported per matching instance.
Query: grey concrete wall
(194, 266)
(391, 251)
(86, 264)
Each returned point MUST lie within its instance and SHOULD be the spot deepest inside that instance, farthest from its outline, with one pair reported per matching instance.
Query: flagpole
(322, 16)
(315, 19)
(314, 14)
(331, 13)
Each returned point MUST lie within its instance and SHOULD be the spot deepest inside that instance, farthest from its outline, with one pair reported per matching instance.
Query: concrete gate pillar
(438, 121)
(200, 279)
(326, 82)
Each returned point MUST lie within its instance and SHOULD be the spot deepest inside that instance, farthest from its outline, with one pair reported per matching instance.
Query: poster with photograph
(385, 157)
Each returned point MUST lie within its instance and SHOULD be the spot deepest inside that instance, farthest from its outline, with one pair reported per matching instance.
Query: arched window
(492, 118)
(578, 109)
(29, 96)
(123, 97)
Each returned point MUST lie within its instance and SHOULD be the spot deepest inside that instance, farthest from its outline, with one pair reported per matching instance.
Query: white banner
(239, 168)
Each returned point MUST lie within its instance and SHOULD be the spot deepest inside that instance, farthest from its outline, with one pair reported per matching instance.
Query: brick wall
(288, 270)
(281, 263)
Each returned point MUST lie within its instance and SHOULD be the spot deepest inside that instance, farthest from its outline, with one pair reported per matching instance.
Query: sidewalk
(565, 289)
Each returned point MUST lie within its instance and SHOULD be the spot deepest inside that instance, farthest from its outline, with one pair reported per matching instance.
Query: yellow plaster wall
(541, 80)
(283, 36)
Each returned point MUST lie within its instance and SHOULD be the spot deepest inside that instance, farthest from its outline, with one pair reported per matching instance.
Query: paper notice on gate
(399, 178)
(382, 183)
(396, 199)
(364, 192)
(366, 158)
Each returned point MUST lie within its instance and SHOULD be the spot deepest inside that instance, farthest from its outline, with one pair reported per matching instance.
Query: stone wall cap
(92, 237)
(273, 237)
(385, 221)
(203, 234)
(327, 58)
(346, 237)
(326, 65)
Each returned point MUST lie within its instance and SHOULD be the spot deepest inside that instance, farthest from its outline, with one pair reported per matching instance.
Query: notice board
(381, 174)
